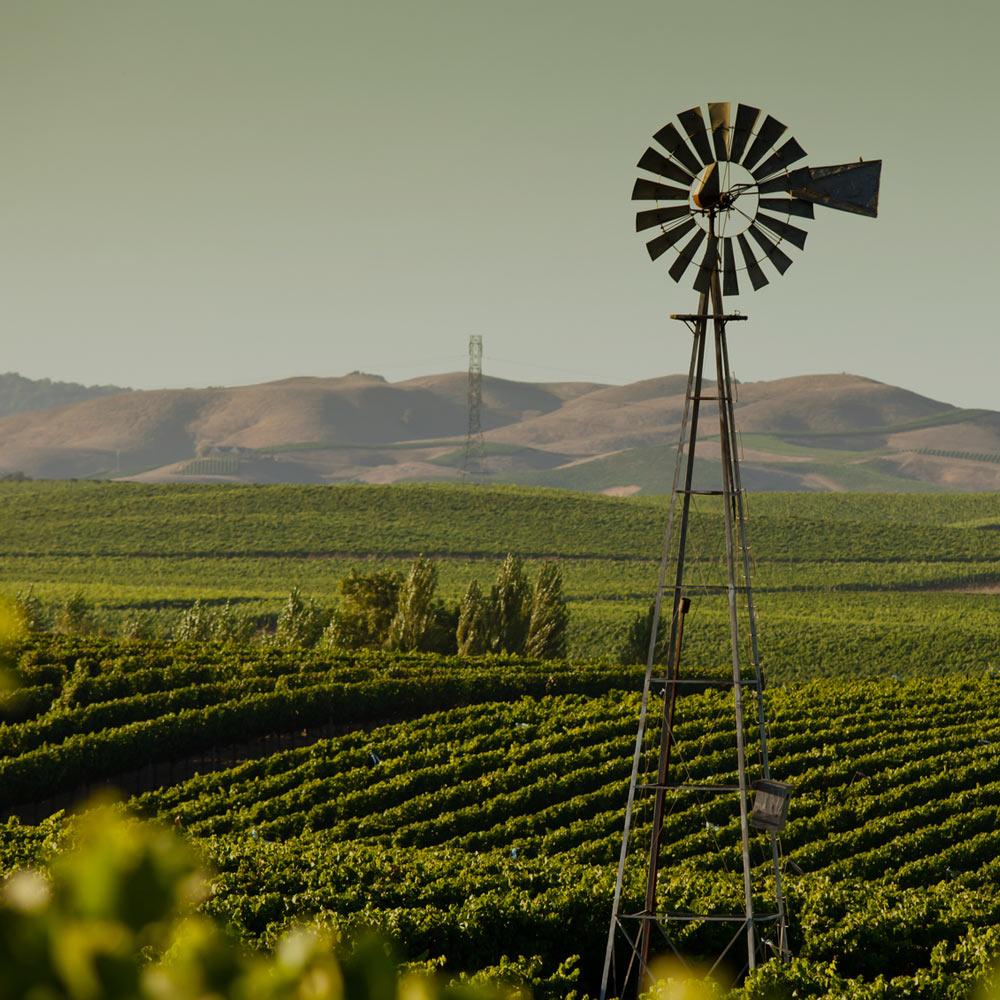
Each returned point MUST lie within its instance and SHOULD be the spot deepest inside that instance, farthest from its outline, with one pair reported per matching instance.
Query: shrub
(76, 616)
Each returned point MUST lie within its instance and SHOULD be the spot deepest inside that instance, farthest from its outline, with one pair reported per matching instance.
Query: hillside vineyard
(470, 809)
(487, 827)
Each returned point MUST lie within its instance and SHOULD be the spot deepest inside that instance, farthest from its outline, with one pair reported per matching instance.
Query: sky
(213, 192)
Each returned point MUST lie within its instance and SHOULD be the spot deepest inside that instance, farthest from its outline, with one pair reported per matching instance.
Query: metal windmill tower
(730, 181)
(475, 449)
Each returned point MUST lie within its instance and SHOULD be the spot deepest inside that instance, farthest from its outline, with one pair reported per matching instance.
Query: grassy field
(844, 581)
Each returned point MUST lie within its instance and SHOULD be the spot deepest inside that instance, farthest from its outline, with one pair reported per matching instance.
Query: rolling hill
(812, 432)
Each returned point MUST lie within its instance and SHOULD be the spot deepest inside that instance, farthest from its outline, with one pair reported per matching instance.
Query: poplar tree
(510, 601)
(549, 616)
(416, 613)
(473, 635)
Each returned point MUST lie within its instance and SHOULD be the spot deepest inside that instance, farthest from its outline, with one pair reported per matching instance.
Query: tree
(413, 623)
(367, 607)
(510, 606)
(230, 624)
(549, 617)
(31, 610)
(195, 624)
(301, 621)
(474, 633)
(76, 615)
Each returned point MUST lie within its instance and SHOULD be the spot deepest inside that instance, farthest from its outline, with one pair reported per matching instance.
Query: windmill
(732, 184)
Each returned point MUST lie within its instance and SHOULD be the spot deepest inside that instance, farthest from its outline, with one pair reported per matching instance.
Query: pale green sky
(218, 192)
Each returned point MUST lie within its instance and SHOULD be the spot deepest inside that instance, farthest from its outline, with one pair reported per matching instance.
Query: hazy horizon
(240, 192)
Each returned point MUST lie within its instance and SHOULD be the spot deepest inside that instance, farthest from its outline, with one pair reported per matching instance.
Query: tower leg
(683, 444)
(634, 931)
(728, 455)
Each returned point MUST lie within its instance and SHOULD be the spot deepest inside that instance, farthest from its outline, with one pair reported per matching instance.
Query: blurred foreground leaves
(114, 918)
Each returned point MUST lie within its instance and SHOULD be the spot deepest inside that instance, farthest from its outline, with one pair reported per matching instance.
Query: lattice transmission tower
(475, 446)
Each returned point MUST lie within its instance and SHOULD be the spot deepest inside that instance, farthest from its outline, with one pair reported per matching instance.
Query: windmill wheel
(731, 185)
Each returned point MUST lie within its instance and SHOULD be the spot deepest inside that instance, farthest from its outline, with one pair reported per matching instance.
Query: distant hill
(19, 394)
(812, 432)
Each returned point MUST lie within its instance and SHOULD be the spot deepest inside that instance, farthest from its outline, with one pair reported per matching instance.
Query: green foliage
(137, 626)
(114, 921)
(475, 811)
(197, 624)
(75, 615)
(367, 607)
(547, 626)
(474, 631)
(510, 607)
(201, 623)
(301, 622)
(412, 627)
(32, 610)
(845, 582)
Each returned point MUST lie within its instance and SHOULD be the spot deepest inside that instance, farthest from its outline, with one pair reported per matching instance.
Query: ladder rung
(731, 918)
(704, 681)
(673, 787)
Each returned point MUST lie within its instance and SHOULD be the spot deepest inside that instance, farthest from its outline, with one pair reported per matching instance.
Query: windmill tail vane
(725, 192)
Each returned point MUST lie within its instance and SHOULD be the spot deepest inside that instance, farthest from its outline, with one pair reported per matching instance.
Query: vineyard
(470, 809)
(829, 568)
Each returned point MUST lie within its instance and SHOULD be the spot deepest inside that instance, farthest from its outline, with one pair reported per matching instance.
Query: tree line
(390, 611)
(384, 609)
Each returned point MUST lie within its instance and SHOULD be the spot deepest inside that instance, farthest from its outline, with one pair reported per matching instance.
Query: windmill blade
(788, 206)
(656, 163)
(784, 182)
(658, 216)
(794, 235)
(670, 139)
(666, 240)
(708, 263)
(788, 153)
(730, 286)
(680, 265)
(848, 187)
(770, 132)
(694, 125)
(772, 251)
(746, 118)
(718, 117)
(652, 191)
(757, 277)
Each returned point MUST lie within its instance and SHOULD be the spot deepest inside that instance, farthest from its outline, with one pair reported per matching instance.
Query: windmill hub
(727, 191)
